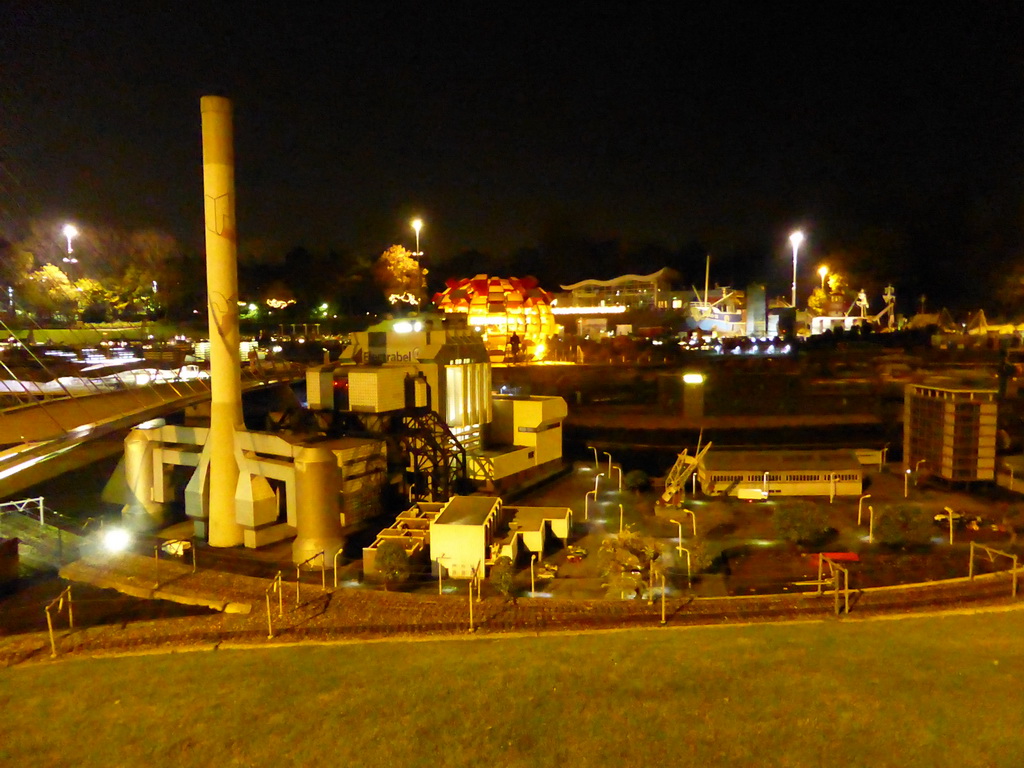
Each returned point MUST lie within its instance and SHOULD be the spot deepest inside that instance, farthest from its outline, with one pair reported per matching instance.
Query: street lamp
(795, 239)
(917, 470)
(609, 464)
(70, 232)
(417, 225)
(860, 505)
(586, 503)
(680, 547)
(906, 483)
(822, 272)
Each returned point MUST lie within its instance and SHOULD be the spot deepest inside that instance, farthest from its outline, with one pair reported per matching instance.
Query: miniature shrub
(800, 522)
(902, 525)
(503, 577)
(392, 563)
(636, 480)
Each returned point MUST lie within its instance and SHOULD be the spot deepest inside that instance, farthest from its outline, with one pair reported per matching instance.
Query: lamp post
(871, 524)
(663, 598)
(417, 225)
(533, 579)
(70, 232)
(860, 505)
(689, 579)
(680, 547)
(597, 462)
(917, 470)
(795, 240)
(822, 273)
(949, 512)
(609, 464)
(620, 519)
(906, 483)
(618, 469)
(586, 503)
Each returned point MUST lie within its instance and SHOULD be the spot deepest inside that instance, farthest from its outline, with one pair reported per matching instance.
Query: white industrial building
(467, 534)
(763, 474)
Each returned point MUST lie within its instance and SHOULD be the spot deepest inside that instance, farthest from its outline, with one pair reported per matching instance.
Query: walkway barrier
(58, 603)
(992, 554)
(275, 586)
(323, 573)
(175, 547)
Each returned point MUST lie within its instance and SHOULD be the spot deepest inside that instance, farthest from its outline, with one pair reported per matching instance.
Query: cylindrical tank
(141, 513)
(318, 516)
(222, 288)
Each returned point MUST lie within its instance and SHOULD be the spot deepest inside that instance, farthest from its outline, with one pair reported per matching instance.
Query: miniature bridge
(37, 439)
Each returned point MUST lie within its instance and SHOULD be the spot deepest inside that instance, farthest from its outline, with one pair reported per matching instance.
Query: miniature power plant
(420, 421)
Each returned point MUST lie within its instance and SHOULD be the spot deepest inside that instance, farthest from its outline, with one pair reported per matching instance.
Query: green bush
(636, 480)
(392, 563)
(902, 525)
(800, 521)
(503, 578)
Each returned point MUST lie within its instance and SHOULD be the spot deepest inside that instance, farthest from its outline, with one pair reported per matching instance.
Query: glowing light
(402, 326)
(693, 378)
(116, 540)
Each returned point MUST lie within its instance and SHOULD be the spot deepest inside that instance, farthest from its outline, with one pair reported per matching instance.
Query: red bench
(849, 557)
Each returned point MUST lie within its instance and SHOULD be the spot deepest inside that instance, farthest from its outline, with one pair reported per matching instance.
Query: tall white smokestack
(222, 287)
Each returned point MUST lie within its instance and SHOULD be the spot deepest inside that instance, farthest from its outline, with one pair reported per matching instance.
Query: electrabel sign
(411, 356)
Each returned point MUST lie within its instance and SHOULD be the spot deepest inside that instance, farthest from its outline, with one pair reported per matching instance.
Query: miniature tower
(222, 288)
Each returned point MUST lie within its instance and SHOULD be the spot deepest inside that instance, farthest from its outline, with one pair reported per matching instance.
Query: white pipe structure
(222, 289)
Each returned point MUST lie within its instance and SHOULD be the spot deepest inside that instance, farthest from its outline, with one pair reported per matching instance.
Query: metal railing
(323, 572)
(58, 603)
(169, 546)
(275, 586)
(992, 554)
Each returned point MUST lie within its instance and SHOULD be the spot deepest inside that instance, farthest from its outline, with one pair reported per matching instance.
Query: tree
(627, 560)
(503, 578)
(51, 294)
(392, 563)
(902, 525)
(636, 480)
(400, 276)
(800, 521)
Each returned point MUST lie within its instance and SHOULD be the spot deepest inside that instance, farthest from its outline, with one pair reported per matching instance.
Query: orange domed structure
(500, 307)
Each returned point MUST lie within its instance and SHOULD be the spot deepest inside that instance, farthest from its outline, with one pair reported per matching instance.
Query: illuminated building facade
(949, 428)
(627, 291)
(499, 308)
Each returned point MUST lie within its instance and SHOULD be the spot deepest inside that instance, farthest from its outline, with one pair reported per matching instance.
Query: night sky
(892, 132)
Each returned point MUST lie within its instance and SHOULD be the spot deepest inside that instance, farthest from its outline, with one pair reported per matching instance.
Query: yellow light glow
(417, 225)
(796, 238)
(693, 378)
(822, 271)
(279, 303)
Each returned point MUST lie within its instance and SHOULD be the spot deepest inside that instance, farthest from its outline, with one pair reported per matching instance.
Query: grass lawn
(918, 692)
